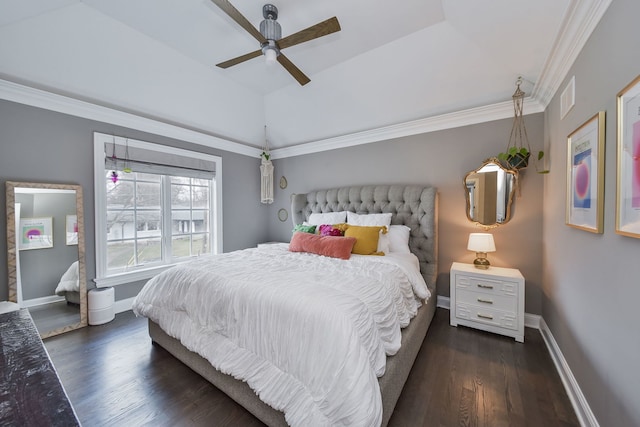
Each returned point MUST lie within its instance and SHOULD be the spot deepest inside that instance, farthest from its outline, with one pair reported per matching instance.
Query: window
(190, 216)
(164, 211)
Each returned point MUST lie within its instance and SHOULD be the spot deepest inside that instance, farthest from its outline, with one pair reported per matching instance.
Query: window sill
(129, 277)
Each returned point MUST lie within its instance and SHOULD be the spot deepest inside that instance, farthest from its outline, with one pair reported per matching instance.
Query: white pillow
(327, 218)
(383, 242)
(398, 236)
(369, 220)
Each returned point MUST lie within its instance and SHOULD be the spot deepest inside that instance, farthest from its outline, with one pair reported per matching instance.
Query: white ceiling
(392, 62)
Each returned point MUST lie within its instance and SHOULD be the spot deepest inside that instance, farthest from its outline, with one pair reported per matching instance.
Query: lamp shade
(481, 242)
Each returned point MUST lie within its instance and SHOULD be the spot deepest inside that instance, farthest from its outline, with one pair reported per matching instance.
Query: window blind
(156, 162)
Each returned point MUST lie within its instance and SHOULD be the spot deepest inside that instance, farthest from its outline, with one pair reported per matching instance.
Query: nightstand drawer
(486, 285)
(495, 301)
(488, 316)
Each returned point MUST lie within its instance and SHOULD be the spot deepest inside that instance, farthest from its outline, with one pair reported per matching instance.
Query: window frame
(103, 278)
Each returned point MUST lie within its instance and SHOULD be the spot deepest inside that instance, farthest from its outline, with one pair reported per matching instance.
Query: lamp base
(481, 261)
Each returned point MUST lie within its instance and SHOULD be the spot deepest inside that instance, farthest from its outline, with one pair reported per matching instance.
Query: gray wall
(440, 159)
(41, 269)
(37, 145)
(591, 284)
(589, 289)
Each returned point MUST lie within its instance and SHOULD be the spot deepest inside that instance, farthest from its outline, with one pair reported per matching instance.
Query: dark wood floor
(55, 315)
(462, 377)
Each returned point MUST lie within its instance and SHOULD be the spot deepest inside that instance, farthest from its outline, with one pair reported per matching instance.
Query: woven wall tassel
(266, 178)
(266, 173)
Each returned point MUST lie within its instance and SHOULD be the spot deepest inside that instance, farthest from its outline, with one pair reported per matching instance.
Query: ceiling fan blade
(239, 59)
(239, 18)
(323, 28)
(293, 70)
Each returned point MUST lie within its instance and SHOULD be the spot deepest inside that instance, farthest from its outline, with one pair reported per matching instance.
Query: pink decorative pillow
(331, 246)
(332, 229)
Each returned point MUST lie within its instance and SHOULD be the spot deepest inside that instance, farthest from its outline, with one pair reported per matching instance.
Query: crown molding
(21, 94)
(581, 19)
(471, 116)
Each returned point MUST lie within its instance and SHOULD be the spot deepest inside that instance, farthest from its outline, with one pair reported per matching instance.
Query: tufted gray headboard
(411, 205)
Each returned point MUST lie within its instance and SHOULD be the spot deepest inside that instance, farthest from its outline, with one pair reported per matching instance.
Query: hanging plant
(114, 172)
(127, 168)
(518, 152)
(515, 158)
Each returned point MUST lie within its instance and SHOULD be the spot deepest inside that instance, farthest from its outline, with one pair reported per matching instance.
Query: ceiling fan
(269, 36)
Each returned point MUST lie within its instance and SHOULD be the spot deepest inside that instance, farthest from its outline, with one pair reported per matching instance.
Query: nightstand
(491, 300)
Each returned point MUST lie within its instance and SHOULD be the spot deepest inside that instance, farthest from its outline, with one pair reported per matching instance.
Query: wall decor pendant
(266, 173)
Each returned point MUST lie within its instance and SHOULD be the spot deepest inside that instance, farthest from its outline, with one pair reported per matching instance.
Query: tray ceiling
(392, 62)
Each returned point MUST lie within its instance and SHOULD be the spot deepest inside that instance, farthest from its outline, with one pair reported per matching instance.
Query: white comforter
(70, 280)
(308, 333)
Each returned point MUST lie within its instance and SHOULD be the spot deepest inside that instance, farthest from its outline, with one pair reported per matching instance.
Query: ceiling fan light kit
(270, 37)
(271, 30)
(270, 51)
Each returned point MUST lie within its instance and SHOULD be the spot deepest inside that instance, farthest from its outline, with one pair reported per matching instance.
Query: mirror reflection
(45, 242)
(489, 192)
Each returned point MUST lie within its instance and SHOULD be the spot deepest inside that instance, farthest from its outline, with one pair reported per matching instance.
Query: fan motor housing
(270, 28)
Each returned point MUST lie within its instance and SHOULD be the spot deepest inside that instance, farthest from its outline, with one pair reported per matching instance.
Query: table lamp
(481, 243)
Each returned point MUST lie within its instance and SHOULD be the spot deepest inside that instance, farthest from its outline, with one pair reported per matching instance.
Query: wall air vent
(568, 97)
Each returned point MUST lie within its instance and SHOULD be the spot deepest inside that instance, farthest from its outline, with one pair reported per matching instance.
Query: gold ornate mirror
(46, 254)
(489, 192)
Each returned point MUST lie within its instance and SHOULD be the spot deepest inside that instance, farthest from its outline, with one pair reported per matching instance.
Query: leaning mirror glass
(489, 192)
(45, 254)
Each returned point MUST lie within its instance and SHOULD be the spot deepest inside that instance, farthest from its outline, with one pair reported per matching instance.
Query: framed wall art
(628, 161)
(72, 229)
(283, 215)
(36, 233)
(585, 175)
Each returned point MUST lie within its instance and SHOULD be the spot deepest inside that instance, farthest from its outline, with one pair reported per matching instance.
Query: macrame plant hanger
(266, 173)
(518, 152)
(114, 172)
(518, 140)
(127, 168)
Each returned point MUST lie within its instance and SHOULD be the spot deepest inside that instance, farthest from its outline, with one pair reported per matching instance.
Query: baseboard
(443, 302)
(532, 320)
(123, 305)
(34, 302)
(579, 402)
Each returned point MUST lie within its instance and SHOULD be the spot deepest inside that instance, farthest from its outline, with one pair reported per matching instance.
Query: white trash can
(101, 308)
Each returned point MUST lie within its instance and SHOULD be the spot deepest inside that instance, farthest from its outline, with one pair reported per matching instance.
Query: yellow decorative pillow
(366, 239)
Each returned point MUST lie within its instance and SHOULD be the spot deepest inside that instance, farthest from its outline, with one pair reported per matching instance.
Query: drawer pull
(480, 285)
(486, 301)
(485, 316)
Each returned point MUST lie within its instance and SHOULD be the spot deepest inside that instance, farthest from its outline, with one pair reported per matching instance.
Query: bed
(69, 284)
(412, 206)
